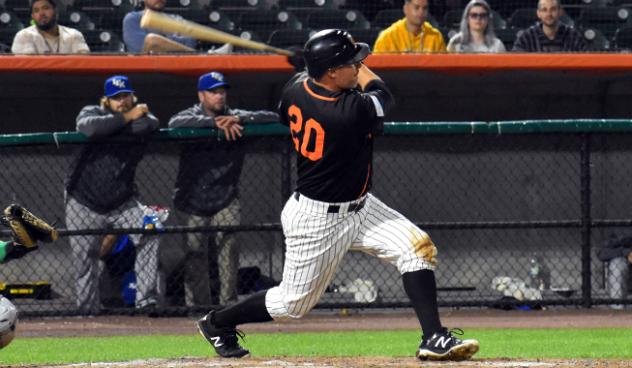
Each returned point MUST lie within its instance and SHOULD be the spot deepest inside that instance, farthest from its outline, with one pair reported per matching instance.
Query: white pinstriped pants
(316, 242)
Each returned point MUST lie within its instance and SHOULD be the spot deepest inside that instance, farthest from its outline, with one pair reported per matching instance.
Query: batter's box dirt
(348, 362)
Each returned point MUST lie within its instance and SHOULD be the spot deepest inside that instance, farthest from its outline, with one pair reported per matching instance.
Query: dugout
(45, 93)
(491, 193)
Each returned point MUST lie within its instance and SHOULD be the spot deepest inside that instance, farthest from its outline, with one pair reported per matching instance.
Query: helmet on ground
(332, 48)
(8, 319)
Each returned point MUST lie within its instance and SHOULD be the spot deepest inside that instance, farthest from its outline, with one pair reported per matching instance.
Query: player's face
(549, 12)
(214, 100)
(122, 102)
(416, 12)
(346, 76)
(478, 18)
(43, 13)
(155, 4)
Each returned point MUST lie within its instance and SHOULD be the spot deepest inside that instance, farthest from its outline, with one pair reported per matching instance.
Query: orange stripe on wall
(197, 64)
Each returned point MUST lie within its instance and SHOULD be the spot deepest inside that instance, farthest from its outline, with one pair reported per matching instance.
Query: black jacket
(615, 247)
(209, 171)
(101, 176)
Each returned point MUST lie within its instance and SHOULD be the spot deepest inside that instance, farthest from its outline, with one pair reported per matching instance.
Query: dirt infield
(333, 321)
(329, 321)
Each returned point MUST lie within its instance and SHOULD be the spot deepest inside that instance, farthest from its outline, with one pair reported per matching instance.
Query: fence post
(586, 218)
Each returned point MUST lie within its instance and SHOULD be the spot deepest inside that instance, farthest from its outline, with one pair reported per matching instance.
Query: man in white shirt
(46, 36)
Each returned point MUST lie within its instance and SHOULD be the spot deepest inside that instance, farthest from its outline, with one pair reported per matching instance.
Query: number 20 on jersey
(311, 128)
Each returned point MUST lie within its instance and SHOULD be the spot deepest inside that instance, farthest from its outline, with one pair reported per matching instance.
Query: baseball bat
(164, 23)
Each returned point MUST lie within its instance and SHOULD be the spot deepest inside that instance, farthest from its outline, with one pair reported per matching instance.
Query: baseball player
(333, 112)
(27, 229)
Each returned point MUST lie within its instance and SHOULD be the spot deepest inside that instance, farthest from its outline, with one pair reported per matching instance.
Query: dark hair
(51, 2)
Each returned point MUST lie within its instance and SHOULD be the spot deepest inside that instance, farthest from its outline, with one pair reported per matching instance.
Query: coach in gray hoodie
(100, 190)
(206, 188)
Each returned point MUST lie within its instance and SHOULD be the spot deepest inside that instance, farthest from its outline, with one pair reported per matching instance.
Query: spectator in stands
(477, 31)
(101, 193)
(46, 36)
(138, 39)
(617, 251)
(549, 34)
(206, 188)
(412, 33)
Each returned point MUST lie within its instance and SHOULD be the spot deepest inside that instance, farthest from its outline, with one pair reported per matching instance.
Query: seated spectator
(411, 33)
(617, 251)
(549, 34)
(476, 32)
(46, 36)
(138, 39)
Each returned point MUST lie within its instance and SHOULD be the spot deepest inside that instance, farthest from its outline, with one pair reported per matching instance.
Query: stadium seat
(6, 37)
(622, 41)
(120, 6)
(526, 17)
(384, 18)
(452, 19)
(265, 21)
(366, 35)
(606, 19)
(523, 18)
(252, 4)
(507, 36)
(328, 4)
(103, 41)
(105, 14)
(596, 40)
(285, 38)
(336, 18)
(8, 20)
(219, 20)
(78, 20)
(575, 7)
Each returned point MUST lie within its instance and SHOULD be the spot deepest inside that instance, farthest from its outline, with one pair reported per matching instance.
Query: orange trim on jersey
(366, 182)
(315, 95)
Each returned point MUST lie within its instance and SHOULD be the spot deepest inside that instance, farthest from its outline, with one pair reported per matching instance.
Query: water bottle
(154, 217)
(536, 279)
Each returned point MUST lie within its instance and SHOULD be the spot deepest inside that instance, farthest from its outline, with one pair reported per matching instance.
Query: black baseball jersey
(333, 133)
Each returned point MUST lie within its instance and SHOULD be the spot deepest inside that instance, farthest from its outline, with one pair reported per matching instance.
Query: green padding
(3, 250)
(393, 128)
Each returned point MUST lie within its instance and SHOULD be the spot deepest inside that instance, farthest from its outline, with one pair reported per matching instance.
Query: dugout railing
(493, 196)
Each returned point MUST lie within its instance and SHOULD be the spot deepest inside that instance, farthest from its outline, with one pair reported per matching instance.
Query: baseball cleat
(223, 339)
(444, 346)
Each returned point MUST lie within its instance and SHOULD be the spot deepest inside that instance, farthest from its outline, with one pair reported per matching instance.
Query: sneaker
(223, 339)
(444, 346)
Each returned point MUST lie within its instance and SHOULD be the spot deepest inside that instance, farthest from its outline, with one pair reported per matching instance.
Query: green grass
(495, 343)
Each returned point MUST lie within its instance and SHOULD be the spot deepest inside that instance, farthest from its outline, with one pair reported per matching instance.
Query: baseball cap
(117, 84)
(211, 80)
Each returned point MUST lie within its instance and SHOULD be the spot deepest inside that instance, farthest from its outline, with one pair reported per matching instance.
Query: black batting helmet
(331, 48)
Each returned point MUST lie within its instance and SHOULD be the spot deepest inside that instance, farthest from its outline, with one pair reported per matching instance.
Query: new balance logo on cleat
(217, 342)
(223, 339)
(444, 346)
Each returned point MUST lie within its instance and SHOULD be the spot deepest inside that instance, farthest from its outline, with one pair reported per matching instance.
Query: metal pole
(586, 218)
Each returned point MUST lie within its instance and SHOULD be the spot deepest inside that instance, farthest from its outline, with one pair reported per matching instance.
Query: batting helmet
(331, 48)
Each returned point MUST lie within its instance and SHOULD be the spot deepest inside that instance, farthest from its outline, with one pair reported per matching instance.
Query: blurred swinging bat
(164, 23)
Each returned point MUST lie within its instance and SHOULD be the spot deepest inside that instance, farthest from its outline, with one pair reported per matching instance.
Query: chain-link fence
(518, 217)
